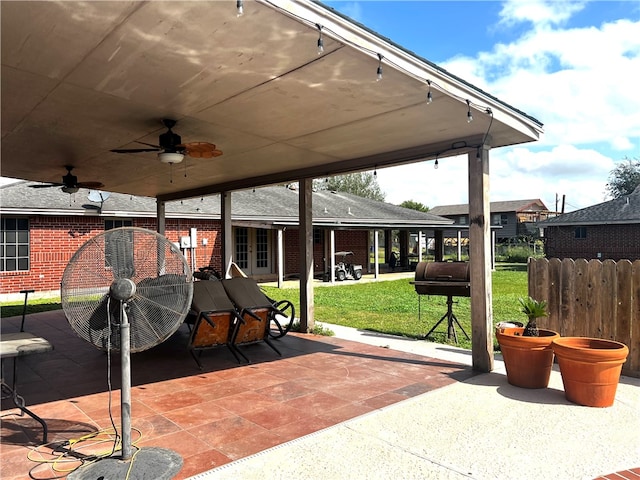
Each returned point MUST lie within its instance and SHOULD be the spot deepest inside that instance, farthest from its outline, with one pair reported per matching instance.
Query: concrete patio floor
(211, 417)
(358, 405)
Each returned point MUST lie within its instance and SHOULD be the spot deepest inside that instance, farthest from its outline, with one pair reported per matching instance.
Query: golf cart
(345, 269)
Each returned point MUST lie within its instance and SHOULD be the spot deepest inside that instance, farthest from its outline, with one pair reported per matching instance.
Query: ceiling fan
(171, 149)
(70, 183)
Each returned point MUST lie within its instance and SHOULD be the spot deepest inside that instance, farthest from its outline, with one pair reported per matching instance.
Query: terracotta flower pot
(528, 360)
(590, 369)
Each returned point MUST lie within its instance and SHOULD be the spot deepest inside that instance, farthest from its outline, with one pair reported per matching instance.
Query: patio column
(438, 245)
(332, 255)
(376, 257)
(227, 231)
(161, 215)
(280, 242)
(480, 260)
(306, 255)
(493, 250)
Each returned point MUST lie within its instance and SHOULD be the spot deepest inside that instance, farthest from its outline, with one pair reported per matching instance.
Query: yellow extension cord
(59, 459)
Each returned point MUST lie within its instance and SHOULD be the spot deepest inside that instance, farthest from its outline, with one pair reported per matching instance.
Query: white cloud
(580, 82)
(538, 11)
(515, 173)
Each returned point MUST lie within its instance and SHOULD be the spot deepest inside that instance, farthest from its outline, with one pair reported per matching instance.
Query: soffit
(82, 78)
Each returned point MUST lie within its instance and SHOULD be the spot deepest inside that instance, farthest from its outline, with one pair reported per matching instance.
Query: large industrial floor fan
(127, 290)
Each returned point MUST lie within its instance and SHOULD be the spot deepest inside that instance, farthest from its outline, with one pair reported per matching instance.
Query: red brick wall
(349, 240)
(54, 240)
(615, 242)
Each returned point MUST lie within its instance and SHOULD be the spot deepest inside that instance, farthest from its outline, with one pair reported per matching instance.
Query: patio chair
(282, 315)
(213, 319)
(255, 309)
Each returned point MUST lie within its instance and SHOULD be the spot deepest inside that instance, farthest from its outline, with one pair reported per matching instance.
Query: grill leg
(451, 326)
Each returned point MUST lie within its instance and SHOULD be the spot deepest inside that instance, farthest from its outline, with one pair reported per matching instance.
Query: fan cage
(163, 293)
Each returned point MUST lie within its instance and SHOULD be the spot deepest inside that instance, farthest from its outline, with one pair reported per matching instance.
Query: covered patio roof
(82, 78)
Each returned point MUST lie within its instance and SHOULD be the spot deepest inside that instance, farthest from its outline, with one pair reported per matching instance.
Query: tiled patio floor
(210, 417)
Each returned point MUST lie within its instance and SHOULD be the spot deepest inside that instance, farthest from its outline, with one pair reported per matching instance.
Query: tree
(624, 179)
(362, 184)
(414, 206)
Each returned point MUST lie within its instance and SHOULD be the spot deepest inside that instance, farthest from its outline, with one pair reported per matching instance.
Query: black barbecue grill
(450, 279)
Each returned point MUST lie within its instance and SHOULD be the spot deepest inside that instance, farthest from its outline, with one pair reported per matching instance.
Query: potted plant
(590, 369)
(527, 351)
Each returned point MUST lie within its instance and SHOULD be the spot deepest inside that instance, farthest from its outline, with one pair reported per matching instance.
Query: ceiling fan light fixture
(70, 190)
(170, 157)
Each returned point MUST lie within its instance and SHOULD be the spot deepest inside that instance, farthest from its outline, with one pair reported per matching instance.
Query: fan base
(147, 463)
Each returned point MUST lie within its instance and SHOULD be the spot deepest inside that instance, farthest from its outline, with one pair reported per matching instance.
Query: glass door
(253, 250)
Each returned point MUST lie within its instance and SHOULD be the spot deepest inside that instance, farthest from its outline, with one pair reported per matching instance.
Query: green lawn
(386, 306)
(11, 309)
(392, 306)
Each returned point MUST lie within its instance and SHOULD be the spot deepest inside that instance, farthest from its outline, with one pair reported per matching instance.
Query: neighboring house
(511, 219)
(609, 230)
(42, 228)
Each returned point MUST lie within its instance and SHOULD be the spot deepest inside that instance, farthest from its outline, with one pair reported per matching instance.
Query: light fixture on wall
(379, 72)
(170, 157)
(240, 7)
(469, 116)
(435, 165)
(320, 40)
(429, 96)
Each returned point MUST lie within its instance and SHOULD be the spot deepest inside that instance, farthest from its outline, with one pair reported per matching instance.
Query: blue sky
(573, 65)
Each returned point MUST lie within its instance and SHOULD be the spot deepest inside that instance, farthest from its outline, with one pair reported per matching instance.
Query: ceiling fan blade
(201, 150)
(207, 154)
(47, 185)
(135, 150)
(149, 144)
(90, 185)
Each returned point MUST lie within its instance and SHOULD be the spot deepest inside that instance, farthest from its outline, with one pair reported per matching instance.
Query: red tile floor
(212, 416)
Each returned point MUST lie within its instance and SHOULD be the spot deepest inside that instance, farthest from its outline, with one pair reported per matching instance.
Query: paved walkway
(480, 428)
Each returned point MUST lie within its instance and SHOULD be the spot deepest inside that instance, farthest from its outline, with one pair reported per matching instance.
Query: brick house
(608, 230)
(511, 220)
(42, 228)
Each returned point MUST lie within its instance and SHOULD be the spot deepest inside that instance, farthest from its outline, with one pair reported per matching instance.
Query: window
(581, 232)
(242, 247)
(119, 256)
(14, 248)
(499, 219)
(463, 220)
(111, 224)
(317, 236)
(262, 248)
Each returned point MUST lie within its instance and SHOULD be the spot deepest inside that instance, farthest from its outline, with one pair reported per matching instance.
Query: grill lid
(443, 278)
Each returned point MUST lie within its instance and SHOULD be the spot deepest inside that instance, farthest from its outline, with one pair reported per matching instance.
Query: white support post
(459, 245)
(376, 256)
(493, 250)
(280, 242)
(332, 255)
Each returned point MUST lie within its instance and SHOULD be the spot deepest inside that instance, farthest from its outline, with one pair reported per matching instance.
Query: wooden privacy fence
(590, 298)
